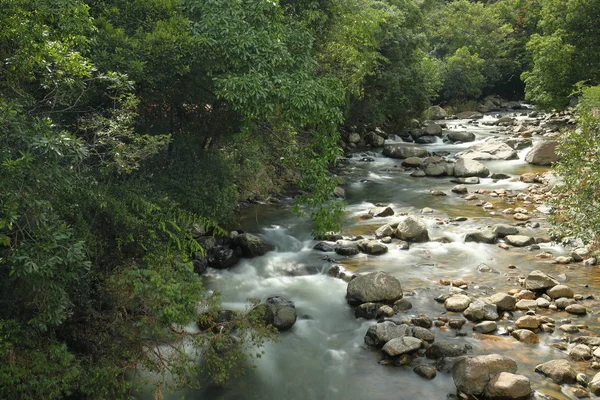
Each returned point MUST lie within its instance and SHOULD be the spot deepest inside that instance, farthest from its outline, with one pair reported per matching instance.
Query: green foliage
(463, 76)
(576, 199)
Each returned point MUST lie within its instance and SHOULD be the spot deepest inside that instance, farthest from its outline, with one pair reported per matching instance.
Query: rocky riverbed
(445, 282)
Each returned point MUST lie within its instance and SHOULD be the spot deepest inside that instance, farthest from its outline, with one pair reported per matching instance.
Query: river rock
(347, 249)
(381, 212)
(594, 385)
(374, 139)
(324, 247)
(412, 162)
(281, 313)
(432, 129)
(560, 371)
(461, 136)
(425, 371)
(435, 169)
(402, 345)
(528, 322)
(580, 352)
(251, 245)
(402, 305)
(367, 310)
(526, 304)
(576, 309)
(374, 287)
(222, 257)
(457, 303)
(593, 341)
(481, 237)
(519, 240)
(525, 336)
(412, 229)
(445, 349)
(537, 280)
(503, 301)
(423, 333)
(560, 291)
(379, 334)
(564, 302)
(470, 168)
(436, 112)
(485, 327)
(384, 231)
(490, 150)
(479, 311)
(543, 153)
(402, 151)
(472, 374)
(505, 385)
(460, 189)
(469, 115)
(372, 247)
(503, 230)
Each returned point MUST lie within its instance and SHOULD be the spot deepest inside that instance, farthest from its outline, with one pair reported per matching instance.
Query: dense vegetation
(130, 128)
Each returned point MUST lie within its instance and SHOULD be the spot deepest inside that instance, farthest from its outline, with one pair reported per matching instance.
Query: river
(323, 357)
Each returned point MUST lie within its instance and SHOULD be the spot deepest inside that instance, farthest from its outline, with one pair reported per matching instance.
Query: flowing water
(324, 356)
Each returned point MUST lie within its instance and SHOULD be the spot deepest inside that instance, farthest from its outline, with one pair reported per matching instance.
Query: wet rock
(381, 212)
(422, 321)
(590, 262)
(412, 162)
(576, 309)
(372, 247)
(433, 129)
(560, 291)
(402, 345)
(470, 168)
(251, 245)
(564, 302)
(374, 139)
(466, 181)
(367, 310)
(519, 240)
(472, 374)
(373, 288)
(385, 312)
(281, 313)
(379, 334)
(222, 257)
(456, 323)
(457, 303)
(437, 193)
(460, 189)
(593, 341)
(563, 260)
(543, 153)
(445, 349)
(402, 305)
(347, 250)
(485, 327)
(402, 151)
(568, 328)
(594, 385)
(580, 352)
(525, 336)
(324, 247)
(461, 136)
(560, 371)
(383, 231)
(583, 379)
(418, 174)
(503, 301)
(542, 303)
(525, 295)
(481, 237)
(506, 385)
(424, 334)
(412, 229)
(425, 371)
(503, 230)
(479, 311)
(537, 280)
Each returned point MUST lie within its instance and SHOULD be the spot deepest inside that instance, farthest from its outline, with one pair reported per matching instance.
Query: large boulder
(543, 153)
(403, 151)
(468, 168)
(537, 280)
(379, 334)
(472, 374)
(251, 245)
(436, 112)
(461, 136)
(376, 287)
(490, 150)
(374, 139)
(412, 229)
(432, 129)
(560, 371)
(505, 386)
(222, 257)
